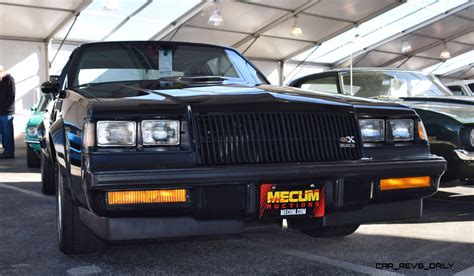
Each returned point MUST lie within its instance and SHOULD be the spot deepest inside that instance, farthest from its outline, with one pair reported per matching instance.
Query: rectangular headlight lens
(160, 132)
(373, 130)
(116, 133)
(402, 129)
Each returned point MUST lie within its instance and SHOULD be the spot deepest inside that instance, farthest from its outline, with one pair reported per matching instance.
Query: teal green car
(448, 119)
(33, 148)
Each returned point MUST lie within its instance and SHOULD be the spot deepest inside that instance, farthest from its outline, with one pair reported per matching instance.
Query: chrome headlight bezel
(410, 134)
(380, 123)
(101, 132)
(168, 128)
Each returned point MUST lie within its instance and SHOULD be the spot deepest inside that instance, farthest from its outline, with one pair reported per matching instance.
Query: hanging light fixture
(296, 30)
(445, 54)
(111, 5)
(356, 38)
(406, 47)
(216, 18)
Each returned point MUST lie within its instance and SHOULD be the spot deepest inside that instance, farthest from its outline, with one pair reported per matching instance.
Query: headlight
(373, 130)
(116, 134)
(402, 129)
(32, 131)
(160, 132)
(467, 137)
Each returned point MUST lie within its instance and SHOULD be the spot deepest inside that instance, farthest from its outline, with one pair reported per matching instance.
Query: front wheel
(32, 159)
(48, 176)
(331, 231)
(73, 236)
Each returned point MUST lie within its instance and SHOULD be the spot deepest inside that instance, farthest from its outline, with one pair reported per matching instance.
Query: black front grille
(274, 137)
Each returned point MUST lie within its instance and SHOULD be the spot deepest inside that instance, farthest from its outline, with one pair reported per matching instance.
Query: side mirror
(49, 87)
(53, 78)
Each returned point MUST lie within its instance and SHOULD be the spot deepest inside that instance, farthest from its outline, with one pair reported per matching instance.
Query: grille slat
(273, 137)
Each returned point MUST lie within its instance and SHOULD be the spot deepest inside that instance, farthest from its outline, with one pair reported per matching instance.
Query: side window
(471, 87)
(222, 67)
(456, 89)
(327, 84)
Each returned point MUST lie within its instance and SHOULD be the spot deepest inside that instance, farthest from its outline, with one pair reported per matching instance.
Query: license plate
(291, 201)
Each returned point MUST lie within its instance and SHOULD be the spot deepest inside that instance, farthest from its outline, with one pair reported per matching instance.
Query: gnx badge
(347, 142)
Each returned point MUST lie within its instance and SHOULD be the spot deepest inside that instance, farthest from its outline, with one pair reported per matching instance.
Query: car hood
(458, 108)
(223, 98)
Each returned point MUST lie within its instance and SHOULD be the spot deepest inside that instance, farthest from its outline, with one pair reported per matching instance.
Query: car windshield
(180, 63)
(392, 84)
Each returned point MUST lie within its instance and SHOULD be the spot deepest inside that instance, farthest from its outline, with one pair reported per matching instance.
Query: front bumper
(35, 145)
(117, 229)
(464, 155)
(223, 198)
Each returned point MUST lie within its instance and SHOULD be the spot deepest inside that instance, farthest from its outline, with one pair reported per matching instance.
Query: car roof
(155, 42)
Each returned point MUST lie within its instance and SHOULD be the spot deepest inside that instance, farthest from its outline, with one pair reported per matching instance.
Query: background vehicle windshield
(388, 84)
(103, 63)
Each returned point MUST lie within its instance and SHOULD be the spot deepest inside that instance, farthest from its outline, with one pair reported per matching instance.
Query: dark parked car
(160, 139)
(449, 120)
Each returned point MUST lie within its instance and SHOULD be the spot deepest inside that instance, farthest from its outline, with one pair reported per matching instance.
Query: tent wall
(26, 62)
(270, 69)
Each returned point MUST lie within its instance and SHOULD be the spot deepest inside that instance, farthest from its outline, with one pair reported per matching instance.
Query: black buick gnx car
(156, 139)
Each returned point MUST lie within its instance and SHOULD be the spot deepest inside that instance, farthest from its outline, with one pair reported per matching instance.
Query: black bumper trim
(116, 229)
(208, 175)
(382, 212)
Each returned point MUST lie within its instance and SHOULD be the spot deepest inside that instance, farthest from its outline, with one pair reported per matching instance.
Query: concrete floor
(444, 236)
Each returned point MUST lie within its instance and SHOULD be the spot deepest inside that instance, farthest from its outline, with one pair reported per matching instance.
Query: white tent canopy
(261, 29)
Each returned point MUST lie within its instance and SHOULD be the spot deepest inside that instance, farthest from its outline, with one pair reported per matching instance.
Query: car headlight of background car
(116, 133)
(467, 137)
(373, 130)
(32, 131)
(160, 132)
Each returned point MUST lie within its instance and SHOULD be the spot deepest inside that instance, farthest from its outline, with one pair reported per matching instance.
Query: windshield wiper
(207, 80)
(385, 97)
(85, 85)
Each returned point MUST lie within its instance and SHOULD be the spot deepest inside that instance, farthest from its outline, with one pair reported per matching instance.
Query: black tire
(73, 236)
(48, 176)
(32, 159)
(331, 231)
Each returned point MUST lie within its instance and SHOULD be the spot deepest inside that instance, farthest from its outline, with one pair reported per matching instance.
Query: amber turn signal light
(146, 196)
(405, 183)
(422, 131)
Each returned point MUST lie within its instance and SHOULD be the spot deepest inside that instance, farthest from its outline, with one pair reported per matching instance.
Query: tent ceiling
(261, 28)
(454, 32)
(35, 20)
(266, 25)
